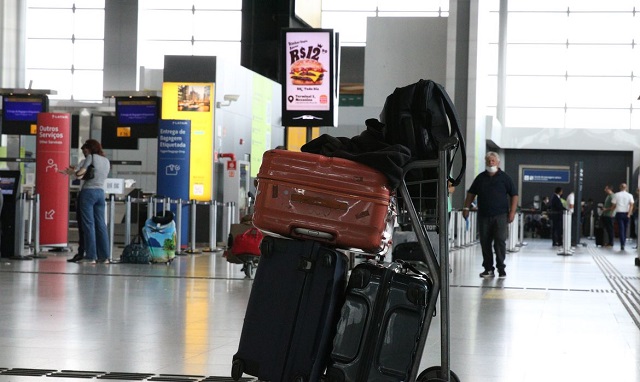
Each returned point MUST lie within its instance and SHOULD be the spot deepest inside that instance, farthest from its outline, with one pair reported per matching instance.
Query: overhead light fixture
(228, 98)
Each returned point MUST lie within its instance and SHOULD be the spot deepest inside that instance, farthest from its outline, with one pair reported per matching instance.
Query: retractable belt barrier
(31, 224)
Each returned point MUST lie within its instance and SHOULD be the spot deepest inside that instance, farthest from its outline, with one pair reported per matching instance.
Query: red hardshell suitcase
(332, 200)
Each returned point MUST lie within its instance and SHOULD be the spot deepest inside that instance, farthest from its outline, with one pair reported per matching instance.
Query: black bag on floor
(136, 252)
(292, 311)
(383, 324)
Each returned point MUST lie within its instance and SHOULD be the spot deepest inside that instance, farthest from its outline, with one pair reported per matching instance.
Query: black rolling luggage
(410, 252)
(292, 311)
(383, 324)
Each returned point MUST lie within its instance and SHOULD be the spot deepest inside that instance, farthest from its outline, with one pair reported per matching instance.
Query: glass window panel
(599, 5)
(89, 54)
(85, 4)
(412, 5)
(491, 59)
(590, 91)
(538, 5)
(209, 25)
(50, 23)
(87, 85)
(537, 27)
(536, 91)
(536, 59)
(164, 4)
(163, 25)
(51, 3)
(635, 119)
(230, 51)
(411, 14)
(615, 60)
(151, 53)
(490, 91)
(491, 26)
(351, 26)
(598, 119)
(58, 80)
(89, 24)
(52, 54)
(552, 118)
(218, 4)
(592, 27)
(348, 5)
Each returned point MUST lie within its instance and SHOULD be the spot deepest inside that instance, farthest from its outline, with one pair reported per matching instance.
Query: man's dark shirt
(492, 192)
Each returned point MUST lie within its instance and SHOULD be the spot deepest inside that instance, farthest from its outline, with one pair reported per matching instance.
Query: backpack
(136, 252)
(421, 116)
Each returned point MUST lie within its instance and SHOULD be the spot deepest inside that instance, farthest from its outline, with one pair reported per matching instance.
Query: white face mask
(492, 169)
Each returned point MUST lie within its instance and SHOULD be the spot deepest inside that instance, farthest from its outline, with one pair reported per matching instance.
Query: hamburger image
(306, 72)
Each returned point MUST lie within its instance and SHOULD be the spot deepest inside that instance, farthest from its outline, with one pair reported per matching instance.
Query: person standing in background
(71, 171)
(608, 215)
(497, 205)
(556, 211)
(622, 202)
(92, 205)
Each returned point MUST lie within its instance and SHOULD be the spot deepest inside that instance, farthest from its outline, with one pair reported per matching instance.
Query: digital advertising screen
(308, 77)
(141, 114)
(9, 182)
(19, 112)
(192, 101)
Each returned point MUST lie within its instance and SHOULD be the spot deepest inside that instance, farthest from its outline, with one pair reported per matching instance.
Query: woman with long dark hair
(92, 204)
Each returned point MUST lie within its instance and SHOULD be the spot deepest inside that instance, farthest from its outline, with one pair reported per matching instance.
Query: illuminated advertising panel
(193, 102)
(308, 78)
(53, 147)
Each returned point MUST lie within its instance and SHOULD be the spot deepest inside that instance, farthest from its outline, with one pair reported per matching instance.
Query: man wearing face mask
(497, 204)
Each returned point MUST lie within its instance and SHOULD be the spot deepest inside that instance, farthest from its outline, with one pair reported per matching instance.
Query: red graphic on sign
(53, 139)
(231, 165)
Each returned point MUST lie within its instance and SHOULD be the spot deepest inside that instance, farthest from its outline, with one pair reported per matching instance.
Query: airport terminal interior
(569, 314)
(553, 318)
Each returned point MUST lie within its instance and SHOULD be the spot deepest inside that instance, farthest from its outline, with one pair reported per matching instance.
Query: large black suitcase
(292, 311)
(383, 324)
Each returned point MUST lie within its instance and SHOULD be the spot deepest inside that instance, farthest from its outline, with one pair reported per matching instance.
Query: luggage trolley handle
(439, 270)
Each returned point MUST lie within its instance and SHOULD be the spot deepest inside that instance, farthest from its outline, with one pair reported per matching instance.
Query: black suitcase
(292, 311)
(383, 324)
(410, 252)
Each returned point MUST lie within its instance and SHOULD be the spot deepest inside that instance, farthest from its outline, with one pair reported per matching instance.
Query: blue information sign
(545, 175)
(174, 149)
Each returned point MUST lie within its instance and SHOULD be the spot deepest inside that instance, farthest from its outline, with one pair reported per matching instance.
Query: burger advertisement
(308, 85)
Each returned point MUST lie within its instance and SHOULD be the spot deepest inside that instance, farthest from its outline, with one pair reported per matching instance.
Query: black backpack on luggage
(421, 116)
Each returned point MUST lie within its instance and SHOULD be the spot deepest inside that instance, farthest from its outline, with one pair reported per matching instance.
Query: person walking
(608, 215)
(622, 203)
(497, 204)
(92, 204)
(556, 211)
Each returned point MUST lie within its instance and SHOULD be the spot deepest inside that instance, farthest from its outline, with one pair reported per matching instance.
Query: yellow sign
(123, 132)
(33, 129)
(193, 101)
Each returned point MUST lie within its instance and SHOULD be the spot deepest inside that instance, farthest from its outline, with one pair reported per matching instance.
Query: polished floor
(554, 318)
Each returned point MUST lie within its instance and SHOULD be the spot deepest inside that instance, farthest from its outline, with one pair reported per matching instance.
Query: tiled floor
(554, 318)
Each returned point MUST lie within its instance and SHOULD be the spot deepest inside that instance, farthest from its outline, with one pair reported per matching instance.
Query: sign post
(52, 147)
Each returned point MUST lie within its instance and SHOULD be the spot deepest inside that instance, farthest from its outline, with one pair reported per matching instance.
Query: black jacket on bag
(368, 148)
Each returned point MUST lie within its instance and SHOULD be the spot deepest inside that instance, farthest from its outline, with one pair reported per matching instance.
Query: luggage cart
(416, 199)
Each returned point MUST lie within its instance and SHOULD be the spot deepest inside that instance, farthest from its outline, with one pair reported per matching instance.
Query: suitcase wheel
(237, 369)
(434, 374)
